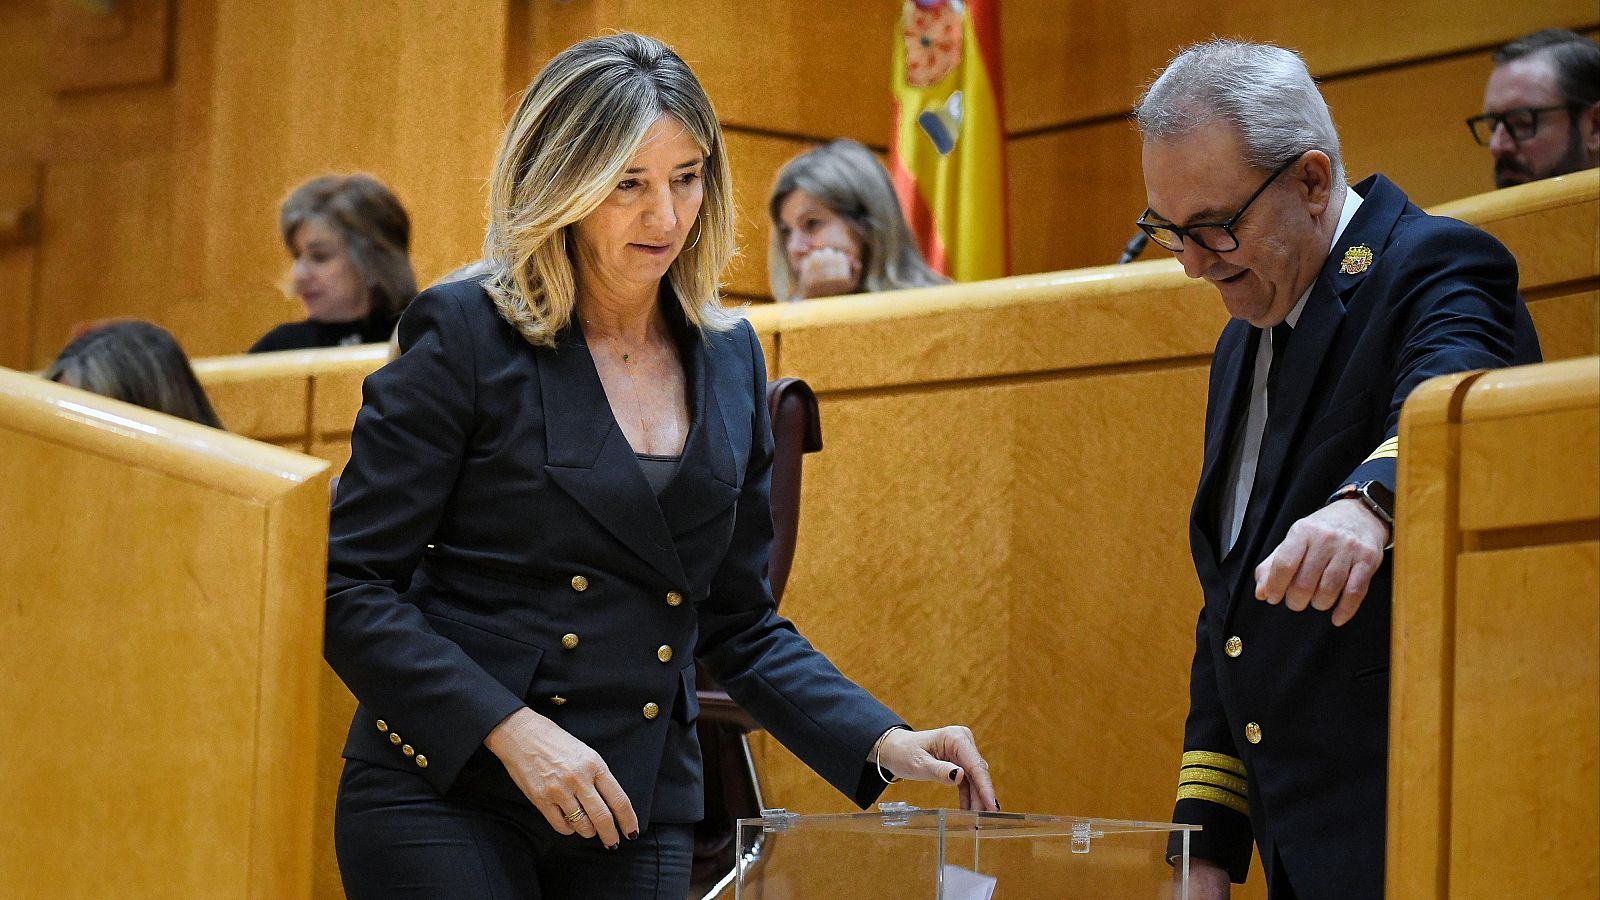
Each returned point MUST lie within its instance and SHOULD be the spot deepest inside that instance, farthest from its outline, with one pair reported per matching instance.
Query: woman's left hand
(948, 755)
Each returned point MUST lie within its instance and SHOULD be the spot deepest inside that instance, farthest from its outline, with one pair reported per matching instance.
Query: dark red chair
(733, 791)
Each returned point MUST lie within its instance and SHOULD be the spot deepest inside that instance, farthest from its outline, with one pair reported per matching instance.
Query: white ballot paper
(965, 884)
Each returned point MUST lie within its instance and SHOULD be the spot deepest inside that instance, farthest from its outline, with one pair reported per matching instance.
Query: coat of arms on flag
(947, 153)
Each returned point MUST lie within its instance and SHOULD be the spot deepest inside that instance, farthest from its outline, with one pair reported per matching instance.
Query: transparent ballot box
(905, 853)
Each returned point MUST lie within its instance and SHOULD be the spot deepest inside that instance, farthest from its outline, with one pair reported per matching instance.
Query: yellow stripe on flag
(955, 201)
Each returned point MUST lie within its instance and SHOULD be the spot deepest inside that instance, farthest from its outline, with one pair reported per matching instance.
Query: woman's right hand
(827, 272)
(560, 775)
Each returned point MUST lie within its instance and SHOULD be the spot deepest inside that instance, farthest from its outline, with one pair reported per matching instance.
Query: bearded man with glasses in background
(1343, 299)
(1541, 107)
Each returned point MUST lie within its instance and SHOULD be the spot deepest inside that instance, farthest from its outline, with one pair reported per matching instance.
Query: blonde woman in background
(837, 228)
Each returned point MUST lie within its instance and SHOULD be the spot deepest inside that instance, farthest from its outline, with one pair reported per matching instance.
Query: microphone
(1131, 251)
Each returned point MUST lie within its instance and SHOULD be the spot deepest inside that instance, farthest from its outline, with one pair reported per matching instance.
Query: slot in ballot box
(901, 852)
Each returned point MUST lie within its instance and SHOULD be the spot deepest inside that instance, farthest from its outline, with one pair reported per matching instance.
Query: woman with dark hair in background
(837, 228)
(349, 238)
(138, 363)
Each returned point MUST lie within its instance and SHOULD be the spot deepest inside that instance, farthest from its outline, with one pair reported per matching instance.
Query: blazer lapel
(1319, 326)
(704, 483)
(589, 457)
(1237, 353)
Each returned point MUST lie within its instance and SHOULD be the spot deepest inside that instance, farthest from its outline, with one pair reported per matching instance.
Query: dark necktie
(1280, 349)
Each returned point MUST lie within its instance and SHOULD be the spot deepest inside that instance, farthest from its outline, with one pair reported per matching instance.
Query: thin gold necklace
(628, 364)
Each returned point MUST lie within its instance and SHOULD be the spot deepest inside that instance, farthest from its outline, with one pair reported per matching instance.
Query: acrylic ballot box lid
(901, 851)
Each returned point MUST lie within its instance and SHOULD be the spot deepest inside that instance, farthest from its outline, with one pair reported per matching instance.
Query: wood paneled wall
(408, 90)
(1495, 721)
(1400, 80)
(158, 199)
(23, 103)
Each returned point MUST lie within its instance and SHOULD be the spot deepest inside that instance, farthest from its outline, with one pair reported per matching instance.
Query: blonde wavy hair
(565, 149)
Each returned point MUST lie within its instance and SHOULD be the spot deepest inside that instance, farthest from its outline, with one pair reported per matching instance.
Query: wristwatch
(1377, 497)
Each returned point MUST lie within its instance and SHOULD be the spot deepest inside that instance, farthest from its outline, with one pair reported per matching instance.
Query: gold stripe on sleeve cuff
(1387, 450)
(1201, 775)
(1214, 760)
(1215, 795)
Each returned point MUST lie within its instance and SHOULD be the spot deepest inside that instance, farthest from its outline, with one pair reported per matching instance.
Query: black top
(309, 334)
(658, 470)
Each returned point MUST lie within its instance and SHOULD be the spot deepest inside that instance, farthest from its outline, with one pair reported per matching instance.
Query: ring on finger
(575, 815)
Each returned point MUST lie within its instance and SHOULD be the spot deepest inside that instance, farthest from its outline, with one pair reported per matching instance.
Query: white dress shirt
(1246, 452)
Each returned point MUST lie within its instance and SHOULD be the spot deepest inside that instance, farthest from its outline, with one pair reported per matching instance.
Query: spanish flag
(947, 154)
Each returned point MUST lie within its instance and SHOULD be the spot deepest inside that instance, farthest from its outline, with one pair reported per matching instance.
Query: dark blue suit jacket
(495, 544)
(1439, 297)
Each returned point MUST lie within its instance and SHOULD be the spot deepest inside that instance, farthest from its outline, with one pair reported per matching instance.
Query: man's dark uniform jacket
(1287, 734)
(495, 544)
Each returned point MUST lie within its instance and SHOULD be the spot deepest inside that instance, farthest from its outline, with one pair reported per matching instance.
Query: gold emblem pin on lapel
(1356, 260)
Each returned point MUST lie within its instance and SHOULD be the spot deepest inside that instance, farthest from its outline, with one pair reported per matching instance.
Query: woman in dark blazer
(557, 500)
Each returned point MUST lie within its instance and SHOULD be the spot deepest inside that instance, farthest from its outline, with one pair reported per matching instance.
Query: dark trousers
(397, 839)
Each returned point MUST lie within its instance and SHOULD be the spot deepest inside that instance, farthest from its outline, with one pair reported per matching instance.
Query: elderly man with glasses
(1343, 299)
(1541, 107)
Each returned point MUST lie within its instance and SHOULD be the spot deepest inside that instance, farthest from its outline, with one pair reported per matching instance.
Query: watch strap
(1363, 491)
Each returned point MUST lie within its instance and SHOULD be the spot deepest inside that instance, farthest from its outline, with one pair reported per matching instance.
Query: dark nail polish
(633, 835)
(997, 806)
(954, 773)
(611, 846)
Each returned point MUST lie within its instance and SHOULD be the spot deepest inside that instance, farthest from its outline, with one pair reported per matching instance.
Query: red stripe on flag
(986, 27)
(916, 211)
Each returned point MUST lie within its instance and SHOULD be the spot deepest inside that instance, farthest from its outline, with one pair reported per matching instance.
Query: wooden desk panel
(163, 638)
(1552, 227)
(1568, 324)
(1518, 482)
(1495, 716)
(271, 408)
(1526, 769)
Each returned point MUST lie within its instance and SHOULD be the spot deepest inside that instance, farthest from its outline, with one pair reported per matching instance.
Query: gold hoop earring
(699, 229)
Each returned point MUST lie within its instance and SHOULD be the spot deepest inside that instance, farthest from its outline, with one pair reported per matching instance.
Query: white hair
(1264, 93)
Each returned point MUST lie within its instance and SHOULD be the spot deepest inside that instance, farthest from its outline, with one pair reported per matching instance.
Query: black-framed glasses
(1218, 237)
(1521, 123)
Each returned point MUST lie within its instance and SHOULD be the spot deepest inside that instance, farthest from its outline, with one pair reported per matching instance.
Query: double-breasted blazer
(1287, 735)
(495, 544)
